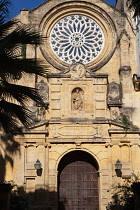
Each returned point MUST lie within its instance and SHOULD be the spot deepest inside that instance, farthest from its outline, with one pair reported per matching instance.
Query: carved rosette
(114, 94)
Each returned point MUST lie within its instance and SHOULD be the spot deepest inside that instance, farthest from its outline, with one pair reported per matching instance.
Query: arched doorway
(78, 182)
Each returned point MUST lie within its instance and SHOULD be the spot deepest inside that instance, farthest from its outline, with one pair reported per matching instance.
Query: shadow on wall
(39, 200)
(8, 147)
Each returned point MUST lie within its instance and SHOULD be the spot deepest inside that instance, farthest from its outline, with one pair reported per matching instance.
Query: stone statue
(77, 101)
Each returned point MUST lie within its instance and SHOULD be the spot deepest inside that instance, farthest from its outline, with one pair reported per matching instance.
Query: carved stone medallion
(77, 70)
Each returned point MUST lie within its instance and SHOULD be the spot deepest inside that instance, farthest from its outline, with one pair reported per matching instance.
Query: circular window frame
(87, 9)
(65, 46)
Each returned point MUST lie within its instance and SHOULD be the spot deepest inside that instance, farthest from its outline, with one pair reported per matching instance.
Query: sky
(16, 5)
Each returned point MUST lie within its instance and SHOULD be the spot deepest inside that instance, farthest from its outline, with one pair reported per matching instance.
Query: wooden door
(78, 183)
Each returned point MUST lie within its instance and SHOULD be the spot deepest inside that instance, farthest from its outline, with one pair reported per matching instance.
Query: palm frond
(4, 10)
(13, 35)
(23, 35)
(15, 112)
(9, 124)
(22, 94)
(10, 66)
(4, 28)
(4, 6)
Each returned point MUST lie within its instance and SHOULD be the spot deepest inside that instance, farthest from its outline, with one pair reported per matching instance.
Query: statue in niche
(77, 99)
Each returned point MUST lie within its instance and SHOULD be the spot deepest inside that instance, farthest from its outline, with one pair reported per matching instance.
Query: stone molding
(66, 74)
(124, 69)
(122, 131)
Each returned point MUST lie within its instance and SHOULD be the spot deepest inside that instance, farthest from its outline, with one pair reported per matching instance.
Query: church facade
(91, 116)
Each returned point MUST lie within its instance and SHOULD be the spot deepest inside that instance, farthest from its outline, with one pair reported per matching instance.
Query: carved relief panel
(114, 94)
(43, 90)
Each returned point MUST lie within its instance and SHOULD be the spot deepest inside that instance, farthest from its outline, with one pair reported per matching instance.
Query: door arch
(78, 182)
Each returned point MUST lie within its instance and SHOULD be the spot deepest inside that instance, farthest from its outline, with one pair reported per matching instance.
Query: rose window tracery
(77, 38)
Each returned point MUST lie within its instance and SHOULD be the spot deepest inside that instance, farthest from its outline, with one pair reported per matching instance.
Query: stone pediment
(39, 124)
(46, 18)
(75, 74)
(80, 127)
(87, 128)
(52, 3)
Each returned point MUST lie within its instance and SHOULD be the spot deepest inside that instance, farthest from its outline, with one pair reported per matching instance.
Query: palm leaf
(4, 10)
(22, 94)
(12, 36)
(10, 67)
(16, 112)
(4, 28)
(9, 124)
(23, 35)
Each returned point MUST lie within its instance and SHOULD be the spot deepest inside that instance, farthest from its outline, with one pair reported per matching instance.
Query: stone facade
(85, 106)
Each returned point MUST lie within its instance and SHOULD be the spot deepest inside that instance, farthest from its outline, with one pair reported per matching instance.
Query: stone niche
(114, 94)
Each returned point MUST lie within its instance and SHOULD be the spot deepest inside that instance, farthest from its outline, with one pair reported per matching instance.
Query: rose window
(77, 38)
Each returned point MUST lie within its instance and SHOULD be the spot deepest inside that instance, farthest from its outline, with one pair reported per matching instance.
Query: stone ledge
(97, 76)
(55, 75)
(122, 131)
(75, 141)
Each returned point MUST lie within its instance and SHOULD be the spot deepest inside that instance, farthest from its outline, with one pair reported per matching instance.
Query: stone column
(46, 172)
